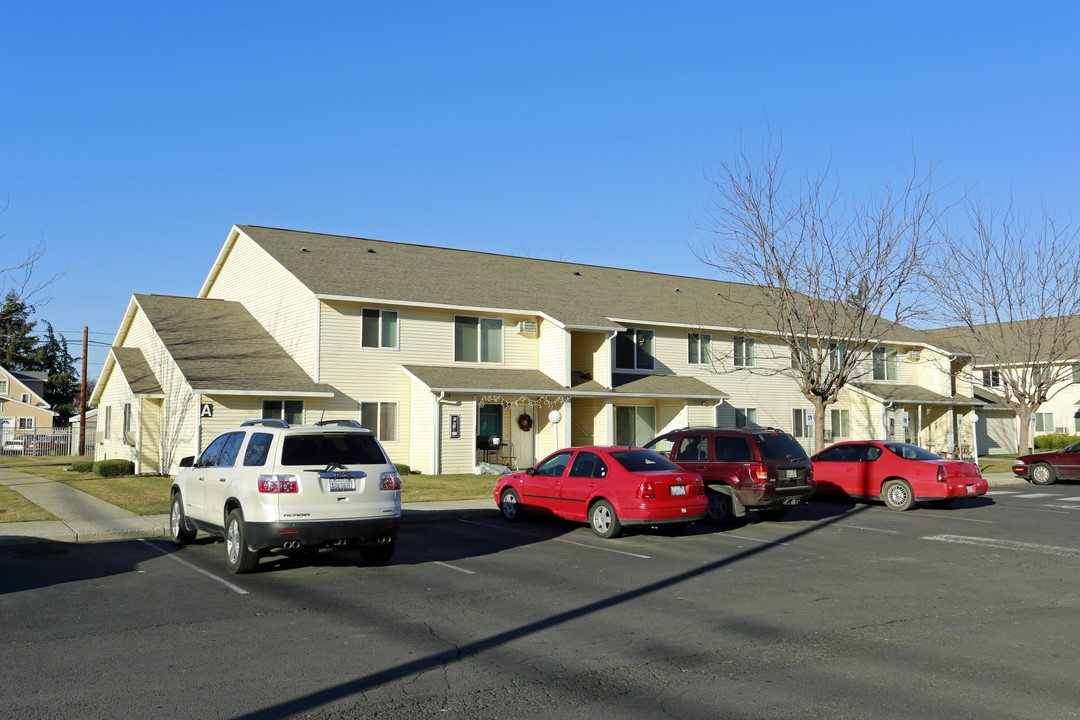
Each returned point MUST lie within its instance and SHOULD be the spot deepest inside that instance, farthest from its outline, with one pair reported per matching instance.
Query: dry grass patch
(15, 508)
(430, 488)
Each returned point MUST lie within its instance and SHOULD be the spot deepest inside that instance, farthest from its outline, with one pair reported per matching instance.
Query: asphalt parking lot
(840, 611)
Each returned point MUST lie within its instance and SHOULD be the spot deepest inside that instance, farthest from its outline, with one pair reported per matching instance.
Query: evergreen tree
(18, 348)
(62, 387)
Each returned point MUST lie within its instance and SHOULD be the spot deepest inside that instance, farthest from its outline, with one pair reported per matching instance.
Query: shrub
(1054, 441)
(114, 468)
(82, 466)
(402, 469)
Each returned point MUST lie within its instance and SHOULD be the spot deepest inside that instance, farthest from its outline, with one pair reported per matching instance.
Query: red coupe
(607, 487)
(898, 473)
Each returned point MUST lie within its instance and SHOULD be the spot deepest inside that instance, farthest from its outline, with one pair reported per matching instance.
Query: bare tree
(1014, 286)
(830, 280)
(17, 272)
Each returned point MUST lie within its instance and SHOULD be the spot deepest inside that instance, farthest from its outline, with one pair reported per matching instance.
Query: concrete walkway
(85, 518)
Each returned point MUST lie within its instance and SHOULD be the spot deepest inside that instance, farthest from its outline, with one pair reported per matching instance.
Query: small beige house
(23, 410)
(456, 357)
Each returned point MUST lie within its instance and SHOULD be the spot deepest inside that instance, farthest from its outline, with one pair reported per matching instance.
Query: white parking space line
(854, 527)
(1036, 496)
(452, 567)
(744, 537)
(212, 576)
(1004, 492)
(562, 540)
(1006, 544)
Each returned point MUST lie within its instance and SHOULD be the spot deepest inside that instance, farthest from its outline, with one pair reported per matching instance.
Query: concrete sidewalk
(85, 518)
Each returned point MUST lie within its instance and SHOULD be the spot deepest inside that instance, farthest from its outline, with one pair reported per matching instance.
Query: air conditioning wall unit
(913, 355)
(528, 327)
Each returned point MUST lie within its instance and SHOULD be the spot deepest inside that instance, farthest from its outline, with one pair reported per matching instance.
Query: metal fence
(61, 442)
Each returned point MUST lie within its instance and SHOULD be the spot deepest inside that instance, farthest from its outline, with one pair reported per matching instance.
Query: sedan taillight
(941, 474)
(645, 490)
(278, 484)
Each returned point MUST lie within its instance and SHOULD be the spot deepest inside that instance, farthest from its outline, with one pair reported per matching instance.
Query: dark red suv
(761, 469)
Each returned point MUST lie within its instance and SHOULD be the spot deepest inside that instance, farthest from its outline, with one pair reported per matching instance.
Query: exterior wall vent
(528, 327)
(913, 355)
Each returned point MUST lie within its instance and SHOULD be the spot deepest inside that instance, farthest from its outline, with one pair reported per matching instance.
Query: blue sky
(133, 135)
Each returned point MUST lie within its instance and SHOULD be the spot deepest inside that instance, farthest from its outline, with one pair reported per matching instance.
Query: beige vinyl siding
(287, 309)
(555, 352)
(590, 422)
(458, 454)
(420, 429)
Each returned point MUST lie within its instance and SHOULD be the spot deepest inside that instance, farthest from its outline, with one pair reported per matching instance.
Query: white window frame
(837, 353)
(699, 348)
(639, 412)
(108, 422)
(744, 351)
(798, 417)
(380, 339)
(638, 336)
(746, 417)
(26, 423)
(480, 334)
(844, 415)
(991, 378)
(4, 386)
(267, 416)
(1039, 418)
(889, 362)
(385, 431)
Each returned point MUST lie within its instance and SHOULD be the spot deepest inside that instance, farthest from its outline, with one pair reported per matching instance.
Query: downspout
(436, 428)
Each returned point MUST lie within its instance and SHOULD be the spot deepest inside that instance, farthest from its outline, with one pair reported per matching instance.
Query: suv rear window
(325, 448)
(780, 448)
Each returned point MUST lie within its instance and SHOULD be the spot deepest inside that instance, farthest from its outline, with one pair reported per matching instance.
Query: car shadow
(47, 563)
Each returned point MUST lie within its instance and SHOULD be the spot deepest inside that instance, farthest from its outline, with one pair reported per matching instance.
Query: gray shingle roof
(220, 347)
(136, 370)
(533, 382)
(576, 295)
(914, 394)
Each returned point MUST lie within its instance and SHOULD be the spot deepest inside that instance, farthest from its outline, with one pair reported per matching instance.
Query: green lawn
(148, 495)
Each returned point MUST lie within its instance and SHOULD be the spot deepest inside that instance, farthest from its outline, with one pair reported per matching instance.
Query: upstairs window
(745, 351)
(991, 378)
(3, 386)
(379, 329)
(885, 364)
(478, 339)
(634, 350)
(837, 353)
(699, 348)
(1075, 375)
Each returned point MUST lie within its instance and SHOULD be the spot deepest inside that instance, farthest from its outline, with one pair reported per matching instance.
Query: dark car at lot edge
(1046, 468)
(607, 487)
(761, 469)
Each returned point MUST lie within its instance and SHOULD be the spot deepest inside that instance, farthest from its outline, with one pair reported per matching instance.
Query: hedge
(114, 468)
(1054, 441)
(82, 466)
(402, 469)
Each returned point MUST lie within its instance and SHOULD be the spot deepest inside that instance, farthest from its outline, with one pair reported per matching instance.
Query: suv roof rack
(269, 422)
(345, 423)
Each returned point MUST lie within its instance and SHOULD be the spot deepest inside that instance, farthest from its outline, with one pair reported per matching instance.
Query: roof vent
(577, 273)
(304, 250)
(371, 250)
(678, 290)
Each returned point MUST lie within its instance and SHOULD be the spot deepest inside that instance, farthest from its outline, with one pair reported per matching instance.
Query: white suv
(267, 485)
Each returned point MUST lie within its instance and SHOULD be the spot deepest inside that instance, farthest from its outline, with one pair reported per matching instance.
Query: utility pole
(82, 392)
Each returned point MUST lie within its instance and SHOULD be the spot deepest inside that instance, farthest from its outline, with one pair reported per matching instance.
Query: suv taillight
(759, 473)
(389, 481)
(278, 484)
(941, 473)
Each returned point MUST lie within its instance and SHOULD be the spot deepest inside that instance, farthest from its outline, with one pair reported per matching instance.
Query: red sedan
(898, 473)
(607, 487)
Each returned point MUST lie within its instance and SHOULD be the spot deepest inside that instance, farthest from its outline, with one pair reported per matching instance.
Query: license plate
(791, 474)
(342, 484)
(678, 489)
(971, 489)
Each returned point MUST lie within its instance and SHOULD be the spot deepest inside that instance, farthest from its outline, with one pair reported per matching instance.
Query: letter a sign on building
(206, 410)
